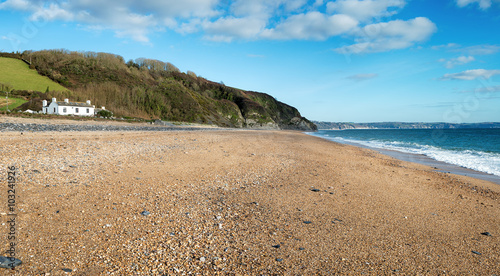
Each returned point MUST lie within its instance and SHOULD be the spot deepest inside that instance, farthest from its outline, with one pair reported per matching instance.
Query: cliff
(152, 89)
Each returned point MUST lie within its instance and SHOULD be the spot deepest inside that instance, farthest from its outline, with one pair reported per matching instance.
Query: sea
(471, 152)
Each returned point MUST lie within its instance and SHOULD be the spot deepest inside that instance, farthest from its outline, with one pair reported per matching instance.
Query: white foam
(475, 160)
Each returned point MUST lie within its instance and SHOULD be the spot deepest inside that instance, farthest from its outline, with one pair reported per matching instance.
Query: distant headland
(400, 125)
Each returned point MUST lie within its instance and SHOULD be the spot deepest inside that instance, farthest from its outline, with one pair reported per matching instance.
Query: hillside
(152, 89)
(17, 74)
(399, 125)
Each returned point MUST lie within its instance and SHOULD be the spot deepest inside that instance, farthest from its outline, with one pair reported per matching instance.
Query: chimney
(66, 100)
(44, 103)
(53, 100)
(88, 102)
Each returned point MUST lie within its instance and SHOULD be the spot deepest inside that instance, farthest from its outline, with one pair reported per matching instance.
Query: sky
(338, 61)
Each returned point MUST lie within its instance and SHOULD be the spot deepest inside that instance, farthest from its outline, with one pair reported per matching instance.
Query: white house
(68, 108)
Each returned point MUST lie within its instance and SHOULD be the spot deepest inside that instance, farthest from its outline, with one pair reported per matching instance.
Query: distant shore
(240, 202)
(402, 125)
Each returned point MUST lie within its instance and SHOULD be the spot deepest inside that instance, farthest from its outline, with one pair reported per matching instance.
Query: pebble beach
(236, 202)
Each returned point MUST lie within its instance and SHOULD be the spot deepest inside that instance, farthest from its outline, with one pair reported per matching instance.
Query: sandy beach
(237, 202)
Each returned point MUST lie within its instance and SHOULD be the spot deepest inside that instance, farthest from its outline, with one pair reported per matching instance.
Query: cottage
(68, 108)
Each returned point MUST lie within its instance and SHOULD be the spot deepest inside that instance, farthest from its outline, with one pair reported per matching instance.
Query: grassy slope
(16, 73)
(13, 103)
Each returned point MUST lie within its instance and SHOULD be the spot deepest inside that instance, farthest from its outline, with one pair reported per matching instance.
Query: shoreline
(424, 160)
(240, 202)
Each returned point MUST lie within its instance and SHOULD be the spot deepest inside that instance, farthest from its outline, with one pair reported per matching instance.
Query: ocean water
(475, 149)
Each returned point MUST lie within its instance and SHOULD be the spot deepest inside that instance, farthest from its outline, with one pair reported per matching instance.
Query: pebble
(67, 270)
(6, 262)
(475, 252)
(62, 127)
(175, 241)
(316, 190)
(486, 234)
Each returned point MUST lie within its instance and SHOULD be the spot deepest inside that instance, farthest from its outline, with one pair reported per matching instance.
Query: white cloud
(22, 5)
(446, 46)
(483, 4)
(365, 9)
(451, 63)
(312, 25)
(481, 49)
(471, 75)
(226, 29)
(134, 19)
(228, 20)
(362, 77)
(52, 12)
(476, 50)
(318, 3)
(392, 35)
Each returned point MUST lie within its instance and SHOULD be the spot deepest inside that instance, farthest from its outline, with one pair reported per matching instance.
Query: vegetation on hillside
(17, 75)
(152, 89)
(13, 102)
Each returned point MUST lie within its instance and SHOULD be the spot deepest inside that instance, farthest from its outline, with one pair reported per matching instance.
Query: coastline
(240, 202)
(424, 160)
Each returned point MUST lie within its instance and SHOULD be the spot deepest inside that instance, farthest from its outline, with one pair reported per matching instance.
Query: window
(64, 110)
(88, 110)
(54, 110)
(76, 110)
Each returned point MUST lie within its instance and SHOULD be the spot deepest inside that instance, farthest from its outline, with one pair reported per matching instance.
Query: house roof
(74, 104)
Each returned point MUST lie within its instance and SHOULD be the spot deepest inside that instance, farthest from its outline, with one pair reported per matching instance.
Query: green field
(17, 74)
(13, 103)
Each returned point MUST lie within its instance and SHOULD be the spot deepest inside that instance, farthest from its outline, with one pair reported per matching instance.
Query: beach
(238, 202)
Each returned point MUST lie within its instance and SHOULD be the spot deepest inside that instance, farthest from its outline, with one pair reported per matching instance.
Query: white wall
(70, 110)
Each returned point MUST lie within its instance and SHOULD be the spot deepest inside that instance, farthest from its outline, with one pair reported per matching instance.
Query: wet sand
(239, 203)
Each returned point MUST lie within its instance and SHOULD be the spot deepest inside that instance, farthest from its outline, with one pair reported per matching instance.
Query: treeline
(153, 89)
(15, 55)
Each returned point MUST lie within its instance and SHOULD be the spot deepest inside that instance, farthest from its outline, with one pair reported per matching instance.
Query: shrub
(105, 113)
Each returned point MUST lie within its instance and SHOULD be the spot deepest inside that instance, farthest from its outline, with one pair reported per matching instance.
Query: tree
(192, 74)
(172, 68)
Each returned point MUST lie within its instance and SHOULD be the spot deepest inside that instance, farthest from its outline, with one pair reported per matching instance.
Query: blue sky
(341, 61)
